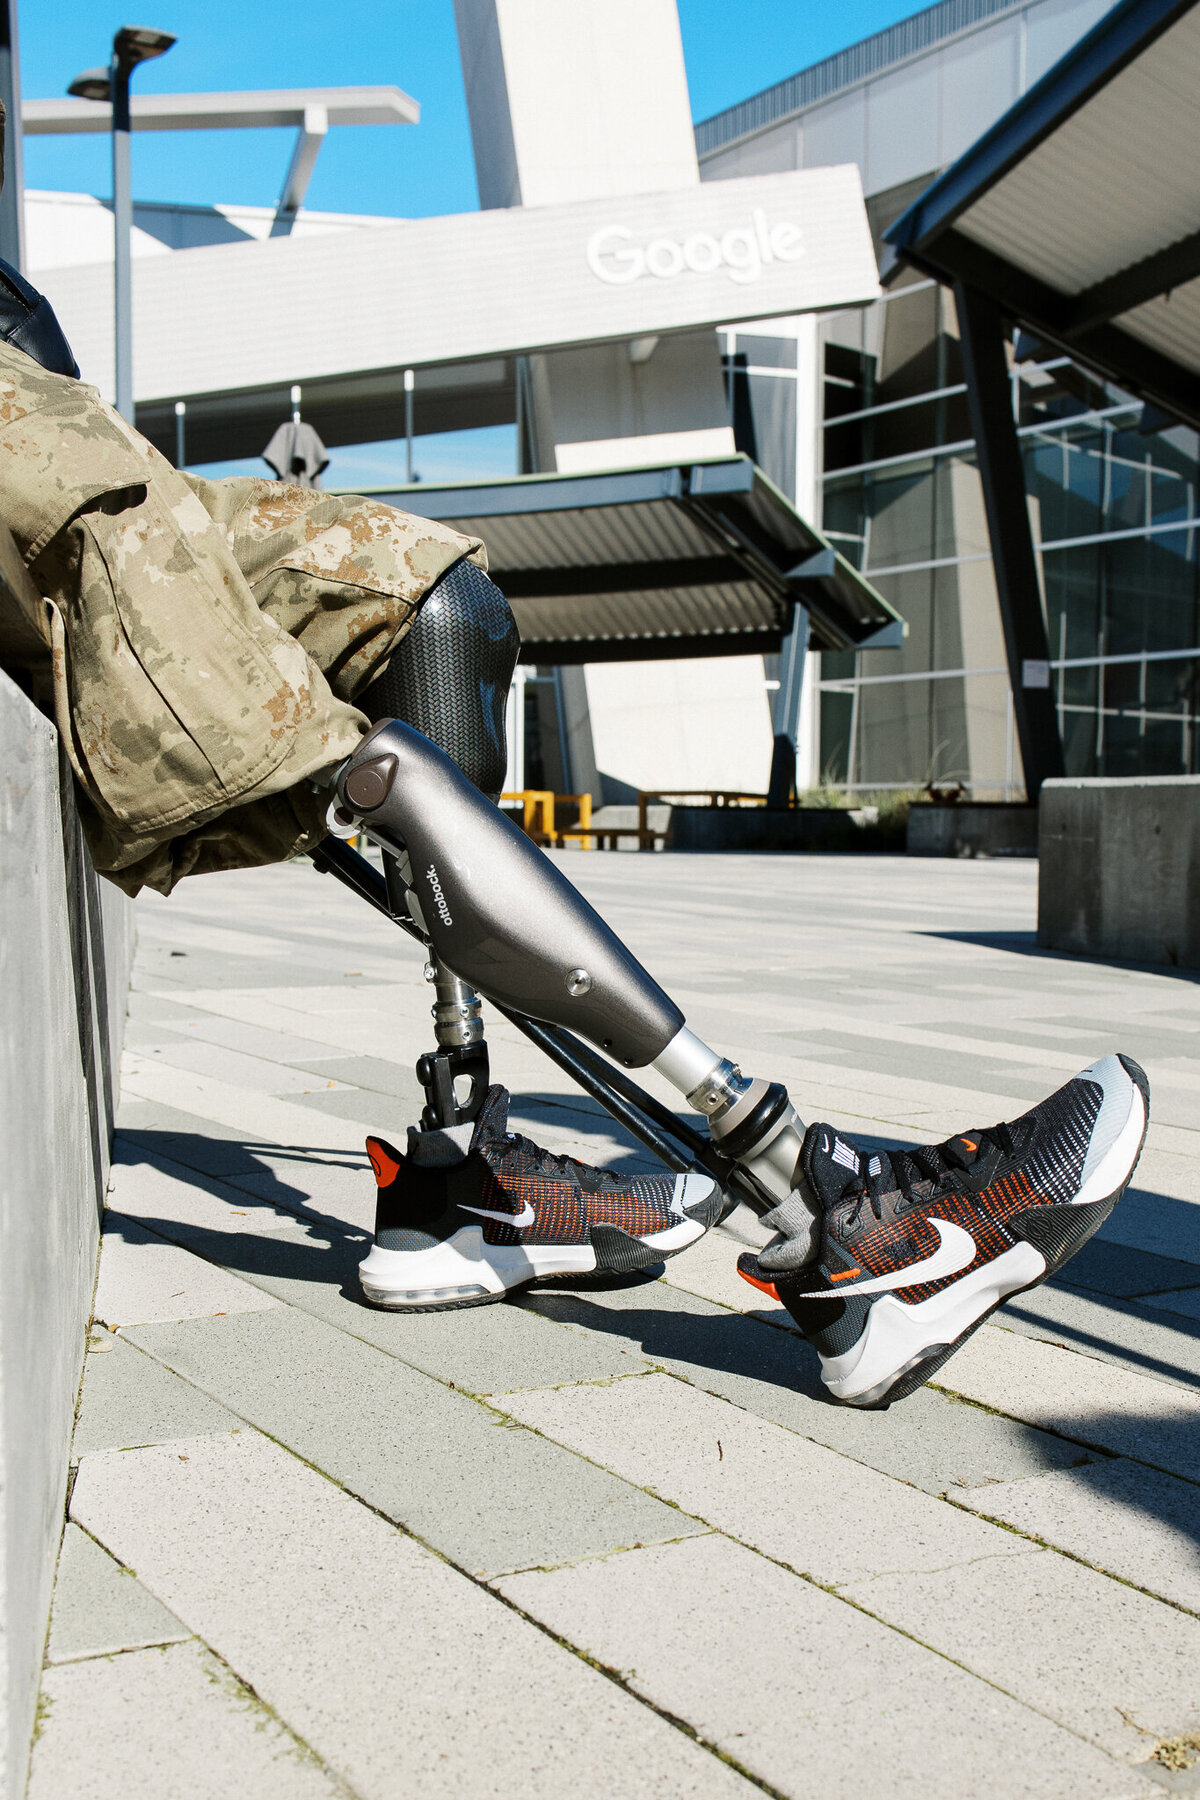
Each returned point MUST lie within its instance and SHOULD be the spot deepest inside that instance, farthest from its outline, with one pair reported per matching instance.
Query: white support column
(309, 139)
(514, 726)
(809, 506)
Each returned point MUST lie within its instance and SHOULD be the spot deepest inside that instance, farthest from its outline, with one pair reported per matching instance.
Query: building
(591, 303)
(1111, 484)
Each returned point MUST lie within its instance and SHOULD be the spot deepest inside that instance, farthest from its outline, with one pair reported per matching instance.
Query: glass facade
(1113, 506)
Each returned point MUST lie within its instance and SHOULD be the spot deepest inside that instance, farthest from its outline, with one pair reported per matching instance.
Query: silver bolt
(429, 972)
(579, 982)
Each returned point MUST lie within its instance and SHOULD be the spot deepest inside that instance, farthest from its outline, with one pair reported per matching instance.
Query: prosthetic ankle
(499, 917)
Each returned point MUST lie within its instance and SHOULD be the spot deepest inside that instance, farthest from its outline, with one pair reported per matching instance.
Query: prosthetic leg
(498, 919)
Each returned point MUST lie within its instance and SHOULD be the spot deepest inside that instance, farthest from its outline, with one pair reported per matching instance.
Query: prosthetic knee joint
(498, 916)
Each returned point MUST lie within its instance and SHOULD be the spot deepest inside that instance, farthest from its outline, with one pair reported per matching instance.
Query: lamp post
(132, 45)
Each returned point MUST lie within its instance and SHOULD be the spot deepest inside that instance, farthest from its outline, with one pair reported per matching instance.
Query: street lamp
(132, 45)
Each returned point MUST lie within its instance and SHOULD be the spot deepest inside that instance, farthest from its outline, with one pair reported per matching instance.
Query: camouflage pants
(200, 643)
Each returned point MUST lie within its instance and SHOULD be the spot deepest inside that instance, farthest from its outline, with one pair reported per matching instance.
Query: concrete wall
(1120, 869)
(968, 830)
(66, 943)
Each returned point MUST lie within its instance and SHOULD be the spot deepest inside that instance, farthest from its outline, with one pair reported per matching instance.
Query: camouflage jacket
(199, 643)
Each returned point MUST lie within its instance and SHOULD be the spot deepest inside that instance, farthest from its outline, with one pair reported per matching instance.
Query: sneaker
(469, 1214)
(919, 1246)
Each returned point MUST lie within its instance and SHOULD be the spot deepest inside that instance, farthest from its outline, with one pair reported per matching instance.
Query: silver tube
(775, 1166)
(457, 1015)
(687, 1062)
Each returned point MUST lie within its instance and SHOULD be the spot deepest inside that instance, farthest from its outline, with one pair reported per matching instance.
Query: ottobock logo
(742, 252)
(439, 899)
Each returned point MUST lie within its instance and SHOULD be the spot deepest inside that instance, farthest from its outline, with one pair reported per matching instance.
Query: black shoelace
(565, 1168)
(927, 1164)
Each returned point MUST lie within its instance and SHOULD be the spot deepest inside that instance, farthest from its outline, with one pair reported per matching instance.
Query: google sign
(741, 251)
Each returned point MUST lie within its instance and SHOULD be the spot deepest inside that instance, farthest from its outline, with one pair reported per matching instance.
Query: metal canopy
(704, 559)
(1078, 213)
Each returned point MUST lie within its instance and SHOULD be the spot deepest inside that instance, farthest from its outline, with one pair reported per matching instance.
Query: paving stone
(143, 1279)
(366, 1021)
(790, 1701)
(1184, 1301)
(388, 1116)
(932, 1441)
(147, 1006)
(129, 1399)
(99, 1607)
(370, 1073)
(165, 1723)
(709, 1268)
(1080, 1397)
(252, 1040)
(1102, 1267)
(403, 1676)
(147, 1129)
(254, 1073)
(1165, 1226)
(485, 1492)
(1089, 1652)
(333, 1185)
(206, 1097)
(483, 1350)
(1127, 1333)
(178, 1201)
(340, 1188)
(1118, 1515)
(795, 1500)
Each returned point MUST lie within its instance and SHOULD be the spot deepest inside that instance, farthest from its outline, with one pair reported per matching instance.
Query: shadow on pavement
(732, 1345)
(1024, 943)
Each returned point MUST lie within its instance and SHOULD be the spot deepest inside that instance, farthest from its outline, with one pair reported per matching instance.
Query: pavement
(613, 1541)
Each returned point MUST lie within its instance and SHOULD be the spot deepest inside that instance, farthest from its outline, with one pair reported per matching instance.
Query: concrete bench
(1120, 868)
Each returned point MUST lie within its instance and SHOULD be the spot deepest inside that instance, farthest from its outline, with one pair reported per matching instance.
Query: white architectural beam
(225, 112)
(642, 265)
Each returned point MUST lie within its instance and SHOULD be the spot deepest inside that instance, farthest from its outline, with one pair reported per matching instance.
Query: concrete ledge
(968, 830)
(66, 944)
(1120, 869)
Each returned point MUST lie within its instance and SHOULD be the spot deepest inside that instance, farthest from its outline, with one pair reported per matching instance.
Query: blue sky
(732, 49)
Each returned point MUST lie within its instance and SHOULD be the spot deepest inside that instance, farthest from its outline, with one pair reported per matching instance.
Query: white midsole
(896, 1335)
(464, 1264)
(1112, 1171)
(464, 1267)
(676, 1237)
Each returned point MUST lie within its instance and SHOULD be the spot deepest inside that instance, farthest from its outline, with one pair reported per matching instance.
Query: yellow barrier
(538, 819)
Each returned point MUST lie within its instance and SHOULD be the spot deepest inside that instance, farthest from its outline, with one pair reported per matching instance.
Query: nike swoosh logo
(519, 1221)
(956, 1251)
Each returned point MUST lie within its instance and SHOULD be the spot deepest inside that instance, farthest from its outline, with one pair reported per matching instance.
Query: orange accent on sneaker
(766, 1287)
(383, 1162)
(845, 1274)
(970, 1146)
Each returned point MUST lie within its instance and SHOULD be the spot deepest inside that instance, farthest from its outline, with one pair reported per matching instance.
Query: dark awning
(704, 559)
(1078, 213)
